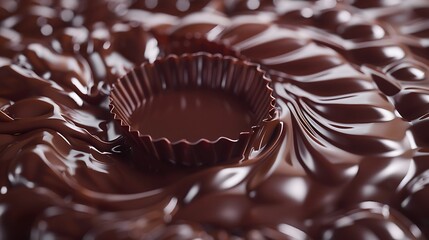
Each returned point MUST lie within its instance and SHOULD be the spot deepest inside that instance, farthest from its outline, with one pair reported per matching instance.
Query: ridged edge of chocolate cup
(241, 78)
(179, 45)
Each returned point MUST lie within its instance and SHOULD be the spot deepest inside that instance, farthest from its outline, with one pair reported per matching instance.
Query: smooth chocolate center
(192, 114)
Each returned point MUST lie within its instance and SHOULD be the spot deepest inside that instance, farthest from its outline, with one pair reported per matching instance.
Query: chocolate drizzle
(349, 157)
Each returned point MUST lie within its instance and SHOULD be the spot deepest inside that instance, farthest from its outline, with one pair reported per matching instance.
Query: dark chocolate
(349, 159)
(192, 113)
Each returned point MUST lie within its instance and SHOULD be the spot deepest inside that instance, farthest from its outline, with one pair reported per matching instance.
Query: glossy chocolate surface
(350, 157)
(191, 113)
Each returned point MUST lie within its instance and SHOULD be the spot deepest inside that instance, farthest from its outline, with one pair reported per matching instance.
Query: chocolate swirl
(348, 158)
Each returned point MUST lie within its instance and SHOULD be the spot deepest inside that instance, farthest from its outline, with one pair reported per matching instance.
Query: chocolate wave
(348, 159)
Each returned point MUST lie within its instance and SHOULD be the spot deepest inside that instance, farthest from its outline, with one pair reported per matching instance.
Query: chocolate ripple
(349, 157)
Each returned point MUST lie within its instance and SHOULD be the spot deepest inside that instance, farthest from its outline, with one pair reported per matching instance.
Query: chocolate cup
(238, 78)
(179, 45)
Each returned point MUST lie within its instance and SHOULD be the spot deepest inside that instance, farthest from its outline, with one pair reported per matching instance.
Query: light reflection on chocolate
(347, 149)
(182, 114)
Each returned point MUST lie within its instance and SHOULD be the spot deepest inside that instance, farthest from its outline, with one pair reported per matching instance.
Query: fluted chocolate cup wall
(199, 72)
(193, 44)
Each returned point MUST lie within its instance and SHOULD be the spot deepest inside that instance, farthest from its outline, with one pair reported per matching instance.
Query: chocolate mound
(349, 157)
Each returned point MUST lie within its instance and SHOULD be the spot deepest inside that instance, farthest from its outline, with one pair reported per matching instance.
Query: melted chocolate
(349, 158)
(190, 114)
